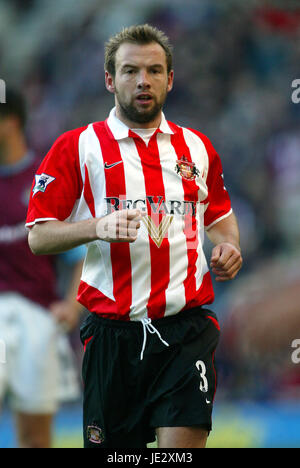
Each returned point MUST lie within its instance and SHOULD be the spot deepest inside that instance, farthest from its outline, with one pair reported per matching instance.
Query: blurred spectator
(40, 369)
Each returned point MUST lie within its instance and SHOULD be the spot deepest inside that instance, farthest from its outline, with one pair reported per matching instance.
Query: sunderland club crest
(187, 169)
(95, 434)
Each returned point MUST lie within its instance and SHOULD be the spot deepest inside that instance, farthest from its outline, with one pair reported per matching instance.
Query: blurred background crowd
(234, 63)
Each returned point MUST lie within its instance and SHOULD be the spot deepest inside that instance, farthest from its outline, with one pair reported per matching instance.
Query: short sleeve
(57, 184)
(219, 205)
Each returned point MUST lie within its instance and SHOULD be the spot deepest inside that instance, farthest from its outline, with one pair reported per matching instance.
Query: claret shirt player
(19, 269)
(174, 176)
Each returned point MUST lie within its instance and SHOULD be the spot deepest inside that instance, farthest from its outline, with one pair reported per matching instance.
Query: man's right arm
(53, 237)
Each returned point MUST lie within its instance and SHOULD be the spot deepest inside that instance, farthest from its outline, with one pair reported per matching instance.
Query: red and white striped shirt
(177, 178)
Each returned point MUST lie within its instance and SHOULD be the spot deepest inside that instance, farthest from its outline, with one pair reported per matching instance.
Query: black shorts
(126, 398)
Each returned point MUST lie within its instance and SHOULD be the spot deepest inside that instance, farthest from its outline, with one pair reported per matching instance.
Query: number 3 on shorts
(202, 369)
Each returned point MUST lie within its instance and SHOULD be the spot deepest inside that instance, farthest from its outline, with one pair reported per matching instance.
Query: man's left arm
(226, 259)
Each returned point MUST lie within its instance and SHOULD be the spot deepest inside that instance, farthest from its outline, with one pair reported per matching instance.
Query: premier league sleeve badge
(41, 182)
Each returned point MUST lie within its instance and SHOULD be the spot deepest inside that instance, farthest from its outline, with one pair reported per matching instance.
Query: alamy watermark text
(2, 92)
(296, 354)
(296, 92)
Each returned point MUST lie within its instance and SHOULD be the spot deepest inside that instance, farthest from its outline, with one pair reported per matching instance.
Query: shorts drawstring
(147, 325)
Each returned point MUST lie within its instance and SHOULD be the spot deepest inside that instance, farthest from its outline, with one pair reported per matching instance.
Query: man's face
(141, 83)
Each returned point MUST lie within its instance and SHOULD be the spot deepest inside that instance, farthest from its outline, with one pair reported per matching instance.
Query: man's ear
(109, 82)
(170, 81)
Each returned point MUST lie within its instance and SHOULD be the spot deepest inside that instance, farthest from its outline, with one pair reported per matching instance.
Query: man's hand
(226, 261)
(119, 226)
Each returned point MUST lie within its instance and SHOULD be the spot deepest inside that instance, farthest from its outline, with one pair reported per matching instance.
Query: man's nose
(143, 80)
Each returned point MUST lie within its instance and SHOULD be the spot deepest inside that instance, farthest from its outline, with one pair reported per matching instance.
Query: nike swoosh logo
(109, 166)
(207, 401)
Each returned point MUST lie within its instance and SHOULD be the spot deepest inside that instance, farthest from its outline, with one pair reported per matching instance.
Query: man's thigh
(181, 437)
(185, 394)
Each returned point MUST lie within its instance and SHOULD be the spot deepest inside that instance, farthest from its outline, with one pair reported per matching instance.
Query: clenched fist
(226, 261)
(119, 226)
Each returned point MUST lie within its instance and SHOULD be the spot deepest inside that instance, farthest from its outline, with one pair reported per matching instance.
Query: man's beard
(131, 113)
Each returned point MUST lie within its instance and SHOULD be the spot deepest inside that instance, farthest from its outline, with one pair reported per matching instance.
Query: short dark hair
(140, 34)
(14, 106)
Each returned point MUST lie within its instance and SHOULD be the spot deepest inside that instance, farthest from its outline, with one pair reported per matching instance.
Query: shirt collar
(119, 130)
